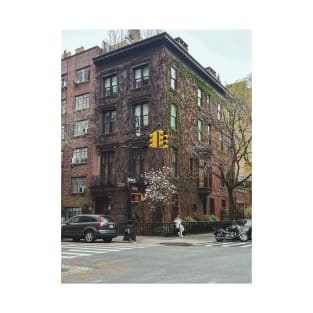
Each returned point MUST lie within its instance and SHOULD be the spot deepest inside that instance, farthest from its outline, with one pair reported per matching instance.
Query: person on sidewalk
(179, 226)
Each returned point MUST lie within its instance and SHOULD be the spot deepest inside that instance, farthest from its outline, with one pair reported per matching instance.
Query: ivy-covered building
(148, 84)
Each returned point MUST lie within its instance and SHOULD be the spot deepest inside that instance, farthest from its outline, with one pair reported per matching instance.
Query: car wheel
(107, 239)
(89, 236)
(243, 237)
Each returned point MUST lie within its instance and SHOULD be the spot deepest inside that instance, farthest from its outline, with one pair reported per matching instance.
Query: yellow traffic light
(153, 141)
(163, 139)
(136, 197)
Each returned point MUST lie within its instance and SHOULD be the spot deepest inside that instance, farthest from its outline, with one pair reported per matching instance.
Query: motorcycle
(233, 232)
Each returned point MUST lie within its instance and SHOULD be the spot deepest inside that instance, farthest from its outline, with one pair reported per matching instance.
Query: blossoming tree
(159, 188)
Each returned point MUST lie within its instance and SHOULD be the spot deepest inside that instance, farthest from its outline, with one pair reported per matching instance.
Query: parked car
(89, 227)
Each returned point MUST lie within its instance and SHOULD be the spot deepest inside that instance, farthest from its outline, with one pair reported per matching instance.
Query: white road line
(91, 251)
(249, 245)
(96, 249)
(234, 244)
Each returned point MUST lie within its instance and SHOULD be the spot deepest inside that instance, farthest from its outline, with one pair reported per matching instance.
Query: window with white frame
(209, 134)
(80, 155)
(219, 111)
(80, 128)
(208, 100)
(64, 81)
(199, 97)
(82, 102)
(63, 107)
(141, 115)
(141, 76)
(82, 75)
(109, 118)
(62, 132)
(78, 185)
(220, 139)
(173, 116)
(110, 85)
(173, 77)
(200, 130)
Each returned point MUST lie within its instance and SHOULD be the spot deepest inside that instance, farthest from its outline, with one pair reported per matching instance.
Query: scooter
(233, 232)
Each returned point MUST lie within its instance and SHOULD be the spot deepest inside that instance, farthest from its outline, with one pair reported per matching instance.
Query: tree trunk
(232, 204)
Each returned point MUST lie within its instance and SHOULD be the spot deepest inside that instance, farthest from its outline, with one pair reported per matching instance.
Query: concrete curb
(192, 239)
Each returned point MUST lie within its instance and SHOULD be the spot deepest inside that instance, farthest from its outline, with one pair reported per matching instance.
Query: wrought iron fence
(169, 229)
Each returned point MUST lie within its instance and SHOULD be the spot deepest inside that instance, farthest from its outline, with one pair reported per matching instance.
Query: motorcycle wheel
(219, 238)
(243, 237)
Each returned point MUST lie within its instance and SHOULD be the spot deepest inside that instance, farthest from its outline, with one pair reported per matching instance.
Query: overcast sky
(228, 52)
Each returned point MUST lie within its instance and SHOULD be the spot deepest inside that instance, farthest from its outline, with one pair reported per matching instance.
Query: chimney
(134, 34)
(211, 71)
(106, 47)
(182, 43)
(66, 54)
(78, 50)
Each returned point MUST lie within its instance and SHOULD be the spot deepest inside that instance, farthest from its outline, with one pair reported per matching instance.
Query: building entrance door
(102, 205)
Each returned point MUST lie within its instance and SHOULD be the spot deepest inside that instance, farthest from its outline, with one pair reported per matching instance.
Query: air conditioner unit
(74, 160)
(85, 130)
(76, 81)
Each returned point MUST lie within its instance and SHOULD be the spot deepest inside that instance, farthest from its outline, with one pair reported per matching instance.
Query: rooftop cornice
(169, 42)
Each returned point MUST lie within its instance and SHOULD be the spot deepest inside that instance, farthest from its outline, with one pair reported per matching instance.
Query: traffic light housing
(136, 197)
(153, 141)
(163, 139)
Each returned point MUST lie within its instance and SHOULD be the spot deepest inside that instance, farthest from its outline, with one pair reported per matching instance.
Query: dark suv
(90, 227)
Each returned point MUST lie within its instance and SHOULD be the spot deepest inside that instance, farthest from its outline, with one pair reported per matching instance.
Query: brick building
(123, 94)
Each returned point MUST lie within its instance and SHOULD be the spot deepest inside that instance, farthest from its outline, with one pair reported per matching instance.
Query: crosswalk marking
(229, 244)
(72, 250)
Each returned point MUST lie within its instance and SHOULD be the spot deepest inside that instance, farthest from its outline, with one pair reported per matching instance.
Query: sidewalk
(188, 238)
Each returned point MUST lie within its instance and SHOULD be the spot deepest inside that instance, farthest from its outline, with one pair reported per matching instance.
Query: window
(209, 134)
(110, 85)
(82, 102)
(78, 185)
(64, 81)
(173, 77)
(107, 167)
(63, 107)
(108, 119)
(80, 155)
(80, 128)
(174, 160)
(220, 139)
(141, 76)
(82, 75)
(212, 209)
(69, 212)
(62, 132)
(219, 111)
(200, 130)
(173, 116)
(141, 115)
(208, 100)
(199, 97)
(191, 167)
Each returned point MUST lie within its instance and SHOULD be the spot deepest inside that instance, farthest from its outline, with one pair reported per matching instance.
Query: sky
(228, 52)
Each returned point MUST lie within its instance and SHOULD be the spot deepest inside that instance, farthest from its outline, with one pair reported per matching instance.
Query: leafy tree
(231, 160)
(159, 188)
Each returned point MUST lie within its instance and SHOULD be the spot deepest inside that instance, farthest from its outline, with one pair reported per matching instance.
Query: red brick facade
(106, 170)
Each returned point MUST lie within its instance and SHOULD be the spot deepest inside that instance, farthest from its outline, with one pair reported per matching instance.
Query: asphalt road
(164, 262)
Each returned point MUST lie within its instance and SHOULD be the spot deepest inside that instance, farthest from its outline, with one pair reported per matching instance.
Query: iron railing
(169, 229)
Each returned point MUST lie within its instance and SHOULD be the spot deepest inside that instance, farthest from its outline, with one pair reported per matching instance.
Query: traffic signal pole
(154, 142)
